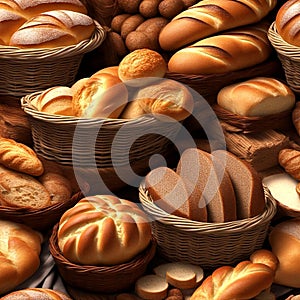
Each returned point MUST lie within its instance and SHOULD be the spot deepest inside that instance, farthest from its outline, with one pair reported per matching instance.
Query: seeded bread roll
(287, 22)
(259, 96)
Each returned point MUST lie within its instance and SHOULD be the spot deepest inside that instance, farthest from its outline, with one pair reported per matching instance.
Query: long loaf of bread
(232, 50)
(208, 17)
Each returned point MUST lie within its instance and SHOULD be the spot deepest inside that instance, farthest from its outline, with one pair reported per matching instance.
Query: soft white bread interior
(52, 29)
(228, 51)
(259, 96)
(103, 230)
(20, 248)
(208, 17)
(284, 239)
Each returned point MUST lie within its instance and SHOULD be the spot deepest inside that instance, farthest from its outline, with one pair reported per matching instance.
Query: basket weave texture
(24, 71)
(289, 55)
(104, 279)
(209, 245)
(39, 219)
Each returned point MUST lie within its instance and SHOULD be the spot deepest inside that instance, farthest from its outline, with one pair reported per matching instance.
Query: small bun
(142, 63)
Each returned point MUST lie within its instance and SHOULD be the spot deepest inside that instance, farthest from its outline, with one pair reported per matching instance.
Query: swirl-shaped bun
(103, 230)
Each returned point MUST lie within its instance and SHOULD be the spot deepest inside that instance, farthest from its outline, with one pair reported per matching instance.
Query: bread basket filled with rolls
(102, 244)
(119, 116)
(283, 37)
(41, 40)
(32, 191)
(211, 210)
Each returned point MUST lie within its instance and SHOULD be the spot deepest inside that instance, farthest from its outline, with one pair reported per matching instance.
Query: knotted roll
(103, 230)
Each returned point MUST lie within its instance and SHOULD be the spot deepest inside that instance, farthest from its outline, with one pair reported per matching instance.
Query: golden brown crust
(296, 117)
(19, 254)
(19, 157)
(266, 257)
(289, 159)
(103, 230)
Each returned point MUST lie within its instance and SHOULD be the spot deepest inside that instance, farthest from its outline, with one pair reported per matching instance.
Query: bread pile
(103, 230)
(25, 182)
(44, 24)
(207, 187)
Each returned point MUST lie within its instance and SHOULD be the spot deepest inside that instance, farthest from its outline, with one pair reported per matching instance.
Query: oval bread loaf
(103, 230)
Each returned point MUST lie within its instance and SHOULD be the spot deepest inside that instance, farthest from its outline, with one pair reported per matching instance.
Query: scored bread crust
(103, 230)
(19, 157)
(19, 254)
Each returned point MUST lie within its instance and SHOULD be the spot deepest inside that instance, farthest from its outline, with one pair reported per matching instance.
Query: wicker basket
(39, 219)
(209, 245)
(103, 279)
(289, 55)
(24, 71)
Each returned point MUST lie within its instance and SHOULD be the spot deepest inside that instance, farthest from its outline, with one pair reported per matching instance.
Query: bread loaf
(103, 230)
(101, 96)
(166, 97)
(36, 293)
(52, 29)
(19, 157)
(209, 17)
(22, 190)
(261, 96)
(19, 254)
(244, 281)
(289, 159)
(287, 22)
(229, 51)
(296, 117)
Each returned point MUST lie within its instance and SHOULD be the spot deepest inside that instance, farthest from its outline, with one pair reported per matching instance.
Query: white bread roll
(103, 230)
(209, 17)
(101, 96)
(20, 248)
(287, 22)
(284, 239)
(52, 29)
(244, 281)
(259, 96)
(228, 51)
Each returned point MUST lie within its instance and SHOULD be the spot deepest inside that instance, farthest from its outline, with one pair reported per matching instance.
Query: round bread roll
(260, 96)
(142, 63)
(52, 29)
(19, 254)
(103, 95)
(288, 22)
(36, 293)
(103, 230)
(284, 239)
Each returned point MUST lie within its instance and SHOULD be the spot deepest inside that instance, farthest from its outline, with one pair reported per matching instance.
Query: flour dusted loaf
(209, 17)
(259, 96)
(19, 254)
(20, 157)
(103, 230)
(36, 293)
(57, 28)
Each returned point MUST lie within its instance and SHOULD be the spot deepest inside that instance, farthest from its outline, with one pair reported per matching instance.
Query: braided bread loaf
(19, 254)
(289, 159)
(208, 17)
(103, 230)
(36, 293)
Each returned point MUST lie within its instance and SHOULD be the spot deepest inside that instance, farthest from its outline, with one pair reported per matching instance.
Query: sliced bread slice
(210, 179)
(168, 191)
(151, 287)
(247, 184)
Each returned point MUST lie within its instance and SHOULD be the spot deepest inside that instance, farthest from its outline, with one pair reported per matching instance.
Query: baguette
(229, 51)
(209, 17)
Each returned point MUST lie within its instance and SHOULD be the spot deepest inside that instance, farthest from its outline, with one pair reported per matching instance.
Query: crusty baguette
(228, 51)
(19, 157)
(209, 17)
(22, 190)
(209, 177)
(244, 281)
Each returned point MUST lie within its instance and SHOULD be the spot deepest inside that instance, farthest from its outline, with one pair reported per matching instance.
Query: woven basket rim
(281, 46)
(8, 52)
(205, 227)
(143, 257)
